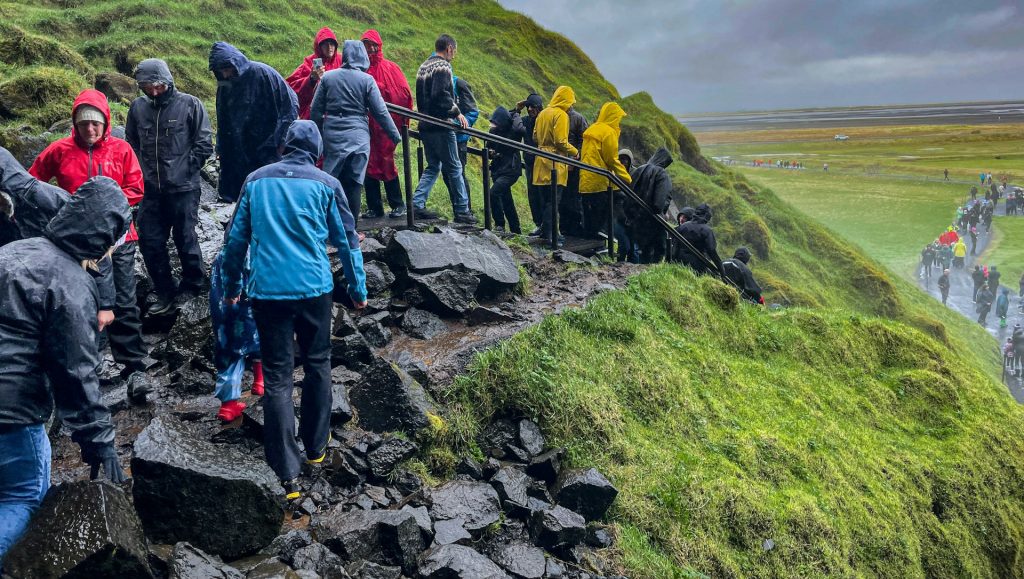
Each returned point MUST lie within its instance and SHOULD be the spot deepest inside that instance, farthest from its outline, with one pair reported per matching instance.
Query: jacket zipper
(159, 186)
(88, 172)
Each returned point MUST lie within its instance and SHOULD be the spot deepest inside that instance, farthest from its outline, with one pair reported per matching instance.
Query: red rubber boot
(230, 410)
(257, 378)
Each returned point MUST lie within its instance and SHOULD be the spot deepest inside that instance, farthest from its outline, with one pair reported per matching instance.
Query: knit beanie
(89, 113)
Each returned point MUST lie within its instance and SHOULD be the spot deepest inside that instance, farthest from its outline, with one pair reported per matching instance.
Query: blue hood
(303, 141)
(353, 55)
(223, 55)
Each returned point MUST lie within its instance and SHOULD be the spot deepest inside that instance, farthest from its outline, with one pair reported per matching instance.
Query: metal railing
(613, 179)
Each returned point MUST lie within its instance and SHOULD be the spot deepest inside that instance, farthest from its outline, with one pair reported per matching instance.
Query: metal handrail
(536, 152)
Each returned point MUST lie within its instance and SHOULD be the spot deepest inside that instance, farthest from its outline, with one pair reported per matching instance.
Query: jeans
(125, 333)
(502, 206)
(160, 218)
(627, 250)
(391, 188)
(463, 156)
(24, 479)
(281, 323)
(442, 154)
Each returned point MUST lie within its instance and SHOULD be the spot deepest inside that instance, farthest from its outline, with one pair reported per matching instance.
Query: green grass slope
(860, 428)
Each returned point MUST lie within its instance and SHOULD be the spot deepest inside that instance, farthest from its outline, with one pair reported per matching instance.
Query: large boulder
(422, 324)
(447, 292)
(587, 492)
(476, 503)
(319, 559)
(82, 529)
(117, 87)
(512, 485)
(458, 562)
(187, 562)
(379, 536)
(187, 487)
(520, 559)
(378, 278)
(557, 528)
(192, 333)
(387, 399)
(483, 255)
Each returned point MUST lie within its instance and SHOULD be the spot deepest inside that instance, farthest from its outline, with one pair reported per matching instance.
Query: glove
(102, 455)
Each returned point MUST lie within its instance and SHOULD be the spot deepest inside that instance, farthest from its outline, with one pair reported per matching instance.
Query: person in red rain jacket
(381, 168)
(306, 78)
(90, 152)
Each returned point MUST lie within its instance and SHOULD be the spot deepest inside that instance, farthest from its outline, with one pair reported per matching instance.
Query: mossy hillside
(858, 446)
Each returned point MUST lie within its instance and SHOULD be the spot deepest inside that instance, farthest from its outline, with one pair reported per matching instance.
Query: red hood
(95, 98)
(374, 37)
(325, 34)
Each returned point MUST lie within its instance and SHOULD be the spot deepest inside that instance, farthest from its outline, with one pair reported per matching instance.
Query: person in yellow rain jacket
(601, 149)
(959, 253)
(551, 133)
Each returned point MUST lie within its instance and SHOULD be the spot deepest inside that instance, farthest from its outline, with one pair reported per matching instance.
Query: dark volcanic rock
(368, 570)
(423, 520)
(384, 537)
(491, 467)
(422, 324)
(339, 472)
(187, 380)
(187, 562)
(285, 546)
(547, 466)
(319, 559)
(448, 291)
(458, 562)
(521, 559)
(483, 255)
(82, 529)
(388, 455)
(186, 488)
(387, 399)
(451, 532)
(476, 503)
(557, 528)
(498, 437)
(414, 367)
(378, 278)
(344, 325)
(512, 485)
(374, 331)
(272, 569)
(470, 467)
(117, 87)
(587, 492)
(341, 410)
(371, 249)
(351, 351)
(192, 333)
(598, 537)
(530, 438)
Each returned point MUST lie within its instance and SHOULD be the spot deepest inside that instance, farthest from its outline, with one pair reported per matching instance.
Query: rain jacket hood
(394, 89)
(354, 56)
(374, 37)
(93, 98)
(153, 71)
(303, 140)
(92, 221)
(551, 134)
(742, 254)
(223, 55)
(702, 214)
(611, 114)
(629, 155)
(564, 98)
(662, 158)
(501, 118)
(325, 33)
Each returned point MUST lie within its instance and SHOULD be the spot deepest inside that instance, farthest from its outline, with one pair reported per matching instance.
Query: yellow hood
(611, 114)
(563, 99)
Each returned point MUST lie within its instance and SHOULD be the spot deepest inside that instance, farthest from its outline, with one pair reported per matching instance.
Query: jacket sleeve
(712, 252)
(561, 134)
(46, 164)
(341, 231)
(202, 134)
(442, 95)
(131, 180)
(131, 127)
(317, 108)
(301, 82)
(662, 194)
(379, 110)
(69, 346)
(105, 284)
(610, 156)
(236, 247)
(282, 108)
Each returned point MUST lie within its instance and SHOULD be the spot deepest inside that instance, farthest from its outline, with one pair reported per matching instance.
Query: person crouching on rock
(48, 349)
(293, 208)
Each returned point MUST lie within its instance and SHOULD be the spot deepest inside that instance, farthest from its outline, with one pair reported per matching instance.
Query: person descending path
(959, 254)
(994, 275)
(984, 303)
(978, 277)
(944, 285)
(653, 184)
(737, 270)
(1002, 306)
(306, 77)
(701, 253)
(927, 259)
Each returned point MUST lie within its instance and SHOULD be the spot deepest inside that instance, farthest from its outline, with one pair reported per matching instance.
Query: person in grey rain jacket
(340, 107)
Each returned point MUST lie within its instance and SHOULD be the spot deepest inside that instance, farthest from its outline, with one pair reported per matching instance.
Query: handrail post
(407, 166)
(611, 222)
(554, 206)
(486, 172)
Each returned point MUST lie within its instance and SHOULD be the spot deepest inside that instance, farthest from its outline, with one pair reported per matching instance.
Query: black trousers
(282, 323)
(549, 199)
(162, 217)
(354, 196)
(391, 188)
(125, 333)
(570, 207)
(535, 198)
(595, 213)
(503, 208)
(463, 155)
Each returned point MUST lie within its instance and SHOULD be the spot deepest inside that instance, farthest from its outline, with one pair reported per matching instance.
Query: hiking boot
(164, 304)
(139, 385)
(535, 233)
(320, 456)
(372, 215)
(466, 218)
(424, 213)
(397, 212)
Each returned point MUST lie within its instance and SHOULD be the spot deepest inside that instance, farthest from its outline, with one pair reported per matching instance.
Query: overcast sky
(727, 55)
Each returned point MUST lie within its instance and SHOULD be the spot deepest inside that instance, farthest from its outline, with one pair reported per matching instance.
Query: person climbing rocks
(92, 151)
(700, 252)
(984, 303)
(944, 285)
(344, 100)
(435, 96)
(506, 168)
(170, 133)
(1002, 306)
(551, 133)
(380, 169)
(305, 79)
(533, 104)
(653, 184)
(978, 277)
(467, 106)
(600, 148)
(927, 259)
(737, 270)
(255, 106)
(959, 254)
(293, 209)
(48, 343)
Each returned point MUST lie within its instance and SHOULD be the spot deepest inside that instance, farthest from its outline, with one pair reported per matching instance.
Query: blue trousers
(24, 479)
(442, 154)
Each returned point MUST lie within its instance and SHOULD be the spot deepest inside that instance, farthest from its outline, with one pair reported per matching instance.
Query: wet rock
(598, 537)
(470, 467)
(489, 315)
(388, 455)
(407, 482)
(253, 420)
(483, 255)
(458, 562)
(587, 492)
(585, 558)
(192, 333)
(118, 88)
(557, 527)
(351, 351)
(451, 532)
(554, 569)
(547, 466)
(375, 333)
(423, 520)
(521, 560)
(285, 546)
(319, 559)
(341, 410)
(491, 467)
(88, 527)
(565, 256)
(115, 399)
(368, 570)
(384, 537)
(344, 325)
(447, 292)
(538, 489)
(530, 437)
(378, 278)
(476, 503)
(187, 562)
(387, 400)
(422, 324)
(187, 380)
(413, 366)
(498, 436)
(272, 569)
(372, 249)
(185, 488)
(339, 472)
(511, 485)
